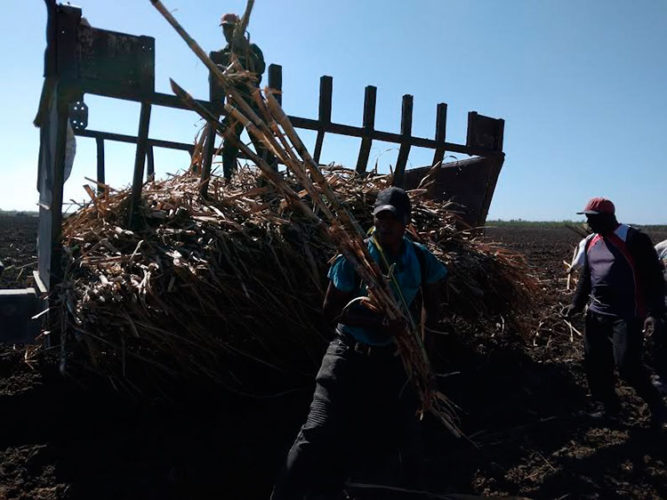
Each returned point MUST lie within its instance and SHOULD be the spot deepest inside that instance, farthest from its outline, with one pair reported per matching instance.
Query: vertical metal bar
(100, 165)
(209, 149)
(440, 132)
(470, 134)
(150, 168)
(406, 132)
(276, 81)
(324, 115)
(139, 161)
(370, 97)
(501, 134)
(56, 208)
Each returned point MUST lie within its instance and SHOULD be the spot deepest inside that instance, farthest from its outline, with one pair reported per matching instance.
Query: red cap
(229, 18)
(597, 206)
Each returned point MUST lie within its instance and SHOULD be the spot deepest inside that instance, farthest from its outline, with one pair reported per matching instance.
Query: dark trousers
(230, 151)
(362, 405)
(611, 341)
(660, 346)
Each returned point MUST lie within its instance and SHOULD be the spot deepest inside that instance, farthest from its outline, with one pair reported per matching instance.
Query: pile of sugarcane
(223, 286)
(211, 285)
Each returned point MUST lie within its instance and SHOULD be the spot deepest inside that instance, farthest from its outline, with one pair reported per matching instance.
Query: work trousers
(660, 346)
(611, 341)
(362, 405)
(230, 151)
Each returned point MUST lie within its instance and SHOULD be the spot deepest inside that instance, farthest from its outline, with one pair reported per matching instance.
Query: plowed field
(521, 400)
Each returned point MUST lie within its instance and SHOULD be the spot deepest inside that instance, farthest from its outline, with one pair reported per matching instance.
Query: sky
(581, 86)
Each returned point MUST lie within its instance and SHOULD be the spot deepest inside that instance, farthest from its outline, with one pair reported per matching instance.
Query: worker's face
(601, 223)
(389, 229)
(228, 31)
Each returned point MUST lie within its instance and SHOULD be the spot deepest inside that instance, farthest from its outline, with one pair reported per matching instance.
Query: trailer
(83, 60)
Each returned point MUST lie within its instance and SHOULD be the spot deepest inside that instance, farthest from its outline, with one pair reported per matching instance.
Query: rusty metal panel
(467, 183)
(485, 132)
(116, 64)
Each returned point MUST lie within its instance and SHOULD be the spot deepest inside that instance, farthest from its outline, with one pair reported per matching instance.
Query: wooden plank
(406, 133)
(378, 135)
(440, 133)
(150, 168)
(368, 125)
(139, 161)
(209, 150)
(100, 165)
(324, 119)
(276, 81)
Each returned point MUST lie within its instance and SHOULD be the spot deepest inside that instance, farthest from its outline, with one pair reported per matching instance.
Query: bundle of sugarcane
(265, 120)
(268, 123)
(202, 282)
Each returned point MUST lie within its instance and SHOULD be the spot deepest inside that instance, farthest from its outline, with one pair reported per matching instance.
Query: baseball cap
(598, 206)
(394, 200)
(229, 18)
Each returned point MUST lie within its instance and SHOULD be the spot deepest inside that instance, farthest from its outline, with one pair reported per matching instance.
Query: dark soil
(521, 400)
(18, 250)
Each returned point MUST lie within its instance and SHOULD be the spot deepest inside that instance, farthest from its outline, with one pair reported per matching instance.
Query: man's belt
(365, 349)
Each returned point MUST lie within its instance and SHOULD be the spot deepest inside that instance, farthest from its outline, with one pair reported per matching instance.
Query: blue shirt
(408, 274)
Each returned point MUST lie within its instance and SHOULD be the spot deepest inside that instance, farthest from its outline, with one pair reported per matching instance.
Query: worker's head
(228, 23)
(600, 215)
(391, 214)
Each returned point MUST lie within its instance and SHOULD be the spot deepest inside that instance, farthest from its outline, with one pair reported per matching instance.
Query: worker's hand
(650, 325)
(394, 326)
(569, 311)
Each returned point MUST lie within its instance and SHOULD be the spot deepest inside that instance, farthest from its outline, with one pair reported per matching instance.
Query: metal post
(100, 165)
(139, 161)
(276, 81)
(56, 207)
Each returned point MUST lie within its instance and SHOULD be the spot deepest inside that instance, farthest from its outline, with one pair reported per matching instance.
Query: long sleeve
(583, 287)
(649, 272)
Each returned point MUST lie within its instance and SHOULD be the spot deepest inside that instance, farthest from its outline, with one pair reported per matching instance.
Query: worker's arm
(431, 298)
(334, 302)
(432, 303)
(357, 315)
(258, 60)
(650, 276)
(581, 294)
(649, 269)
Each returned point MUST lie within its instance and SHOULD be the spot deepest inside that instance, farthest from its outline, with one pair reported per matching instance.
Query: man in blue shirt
(362, 395)
(622, 282)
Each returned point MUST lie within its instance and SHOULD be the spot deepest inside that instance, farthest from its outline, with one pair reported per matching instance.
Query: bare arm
(334, 310)
(432, 303)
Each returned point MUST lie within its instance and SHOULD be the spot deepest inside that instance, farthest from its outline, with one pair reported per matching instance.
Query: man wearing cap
(622, 281)
(250, 57)
(362, 394)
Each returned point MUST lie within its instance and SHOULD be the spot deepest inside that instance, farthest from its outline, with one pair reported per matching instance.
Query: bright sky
(581, 86)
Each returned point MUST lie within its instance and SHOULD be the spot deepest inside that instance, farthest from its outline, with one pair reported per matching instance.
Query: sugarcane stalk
(349, 241)
(271, 174)
(242, 26)
(203, 57)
